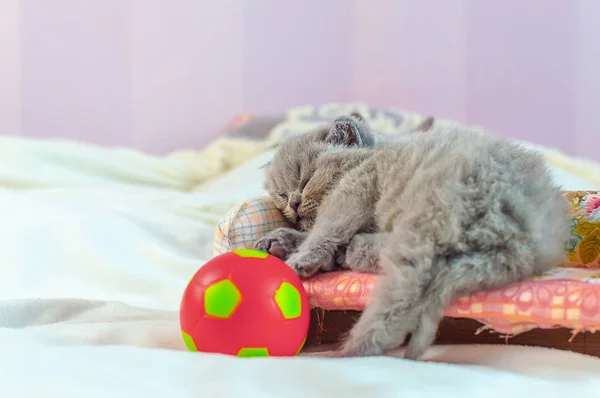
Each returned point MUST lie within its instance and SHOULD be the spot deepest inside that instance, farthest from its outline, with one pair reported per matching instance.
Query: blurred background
(160, 75)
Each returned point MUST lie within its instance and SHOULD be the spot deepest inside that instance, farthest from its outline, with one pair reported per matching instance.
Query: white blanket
(97, 246)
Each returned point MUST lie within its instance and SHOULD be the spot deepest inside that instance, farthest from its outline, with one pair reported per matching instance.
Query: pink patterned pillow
(565, 297)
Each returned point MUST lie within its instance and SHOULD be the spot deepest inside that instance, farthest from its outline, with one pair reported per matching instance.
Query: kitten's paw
(361, 346)
(340, 258)
(272, 246)
(281, 242)
(361, 255)
(306, 263)
(372, 335)
(414, 352)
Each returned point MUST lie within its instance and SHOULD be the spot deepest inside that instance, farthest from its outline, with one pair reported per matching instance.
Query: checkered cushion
(246, 223)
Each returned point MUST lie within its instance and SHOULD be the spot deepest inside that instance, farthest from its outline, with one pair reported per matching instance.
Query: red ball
(245, 303)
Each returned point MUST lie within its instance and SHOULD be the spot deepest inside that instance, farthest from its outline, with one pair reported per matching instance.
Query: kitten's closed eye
(283, 196)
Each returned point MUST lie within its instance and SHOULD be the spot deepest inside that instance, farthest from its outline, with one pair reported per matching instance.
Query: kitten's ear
(348, 131)
(358, 117)
(424, 126)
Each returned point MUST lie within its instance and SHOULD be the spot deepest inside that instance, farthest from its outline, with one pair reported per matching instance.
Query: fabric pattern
(584, 247)
(245, 223)
(566, 297)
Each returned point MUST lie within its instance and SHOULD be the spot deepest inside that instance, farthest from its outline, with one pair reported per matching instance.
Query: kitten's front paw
(306, 263)
(273, 246)
(281, 242)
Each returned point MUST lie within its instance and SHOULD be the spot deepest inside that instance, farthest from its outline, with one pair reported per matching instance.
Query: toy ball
(245, 303)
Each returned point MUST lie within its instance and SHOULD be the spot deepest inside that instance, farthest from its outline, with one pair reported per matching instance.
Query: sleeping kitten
(298, 179)
(451, 212)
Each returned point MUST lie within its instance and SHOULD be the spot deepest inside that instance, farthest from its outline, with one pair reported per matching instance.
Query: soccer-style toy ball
(245, 303)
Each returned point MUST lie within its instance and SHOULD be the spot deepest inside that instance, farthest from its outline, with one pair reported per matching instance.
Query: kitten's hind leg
(389, 317)
(399, 310)
(433, 303)
(460, 276)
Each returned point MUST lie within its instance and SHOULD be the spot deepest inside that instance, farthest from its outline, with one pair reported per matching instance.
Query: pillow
(245, 223)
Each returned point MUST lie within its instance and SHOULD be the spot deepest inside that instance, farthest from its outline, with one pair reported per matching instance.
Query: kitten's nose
(295, 203)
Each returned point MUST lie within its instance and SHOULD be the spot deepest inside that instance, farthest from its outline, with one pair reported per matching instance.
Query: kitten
(451, 212)
(298, 178)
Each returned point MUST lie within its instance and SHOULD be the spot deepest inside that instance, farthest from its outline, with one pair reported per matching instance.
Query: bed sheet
(74, 348)
(96, 246)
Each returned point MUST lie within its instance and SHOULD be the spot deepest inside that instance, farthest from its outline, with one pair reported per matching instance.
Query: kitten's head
(305, 168)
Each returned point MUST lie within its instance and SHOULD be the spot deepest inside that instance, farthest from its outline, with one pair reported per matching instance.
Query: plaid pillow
(245, 223)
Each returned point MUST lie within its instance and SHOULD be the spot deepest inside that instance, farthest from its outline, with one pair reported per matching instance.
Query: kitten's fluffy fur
(442, 215)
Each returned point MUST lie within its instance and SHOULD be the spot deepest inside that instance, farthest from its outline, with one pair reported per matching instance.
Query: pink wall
(166, 74)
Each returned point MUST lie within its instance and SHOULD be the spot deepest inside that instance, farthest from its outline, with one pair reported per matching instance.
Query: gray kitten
(447, 214)
(297, 191)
